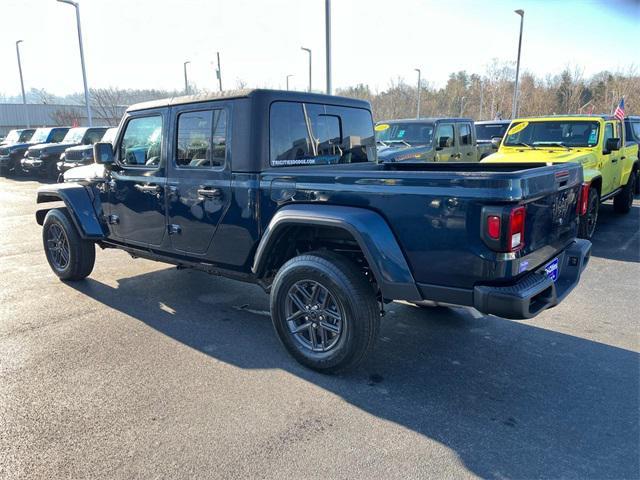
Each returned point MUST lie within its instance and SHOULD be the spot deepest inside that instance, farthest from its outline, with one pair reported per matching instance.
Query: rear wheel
(324, 311)
(588, 221)
(623, 201)
(69, 256)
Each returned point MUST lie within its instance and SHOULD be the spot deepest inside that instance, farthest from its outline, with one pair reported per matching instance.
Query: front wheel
(588, 221)
(324, 311)
(623, 201)
(69, 256)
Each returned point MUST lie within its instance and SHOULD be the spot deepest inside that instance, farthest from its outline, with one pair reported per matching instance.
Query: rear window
(314, 134)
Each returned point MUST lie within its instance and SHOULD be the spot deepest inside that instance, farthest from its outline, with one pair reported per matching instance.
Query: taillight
(583, 201)
(502, 228)
(516, 229)
(493, 226)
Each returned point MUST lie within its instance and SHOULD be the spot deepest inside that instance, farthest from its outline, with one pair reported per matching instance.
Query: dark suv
(17, 142)
(81, 154)
(284, 189)
(632, 131)
(43, 159)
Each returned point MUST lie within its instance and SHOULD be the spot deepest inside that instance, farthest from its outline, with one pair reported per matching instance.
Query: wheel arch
(79, 205)
(364, 228)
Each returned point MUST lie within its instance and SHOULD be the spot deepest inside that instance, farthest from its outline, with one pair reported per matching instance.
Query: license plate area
(551, 269)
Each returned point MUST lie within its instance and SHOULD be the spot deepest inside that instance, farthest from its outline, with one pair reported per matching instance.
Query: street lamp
(514, 109)
(186, 81)
(462, 105)
(24, 97)
(419, 85)
(308, 50)
(219, 72)
(327, 32)
(84, 71)
(291, 75)
(481, 98)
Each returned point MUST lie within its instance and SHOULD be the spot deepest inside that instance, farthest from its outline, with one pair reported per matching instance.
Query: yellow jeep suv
(596, 141)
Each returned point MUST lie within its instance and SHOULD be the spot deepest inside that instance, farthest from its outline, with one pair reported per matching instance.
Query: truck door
(611, 163)
(199, 187)
(445, 143)
(136, 202)
(467, 151)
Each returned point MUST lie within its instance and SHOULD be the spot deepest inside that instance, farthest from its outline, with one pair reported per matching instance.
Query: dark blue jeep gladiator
(283, 189)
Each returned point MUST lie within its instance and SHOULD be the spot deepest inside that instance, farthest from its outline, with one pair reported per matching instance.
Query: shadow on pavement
(512, 400)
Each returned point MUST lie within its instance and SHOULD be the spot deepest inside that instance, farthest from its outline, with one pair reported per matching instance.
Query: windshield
(40, 135)
(74, 135)
(410, 133)
(565, 133)
(109, 135)
(487, 131)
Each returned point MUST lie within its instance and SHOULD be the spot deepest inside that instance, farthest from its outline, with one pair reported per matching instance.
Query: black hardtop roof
(262, 94)
(572, 115)
(426, 120)
(493, 122)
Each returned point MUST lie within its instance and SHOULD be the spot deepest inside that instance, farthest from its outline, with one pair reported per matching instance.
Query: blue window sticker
(401, 133)
(593, 136)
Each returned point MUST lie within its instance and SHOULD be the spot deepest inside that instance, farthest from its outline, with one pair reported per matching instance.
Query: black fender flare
(79, 201)
(368, 228)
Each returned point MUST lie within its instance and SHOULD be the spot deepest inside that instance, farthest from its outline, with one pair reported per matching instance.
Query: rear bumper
(524, 298)
(535, 292)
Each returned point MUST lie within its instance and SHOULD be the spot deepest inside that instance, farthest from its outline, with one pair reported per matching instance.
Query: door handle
(147, 188)
(209, 192)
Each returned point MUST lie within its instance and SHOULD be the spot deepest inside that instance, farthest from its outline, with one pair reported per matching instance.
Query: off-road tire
(354, 296)
(623, 201)
(588, 222)
(81, 253)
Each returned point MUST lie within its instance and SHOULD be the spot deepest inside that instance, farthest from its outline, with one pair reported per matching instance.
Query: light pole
(514, 109)
(24, 97)
(481, 99)
(308, 50)
(219, 72)
(290, 75)
(186, 81)
(84, 71)
(462, 105)
(419, 85)
(327, 9)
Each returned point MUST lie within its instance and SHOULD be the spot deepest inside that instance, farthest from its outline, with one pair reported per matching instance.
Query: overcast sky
(143, 43)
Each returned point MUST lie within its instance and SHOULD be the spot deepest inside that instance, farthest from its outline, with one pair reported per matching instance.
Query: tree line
(479, 96)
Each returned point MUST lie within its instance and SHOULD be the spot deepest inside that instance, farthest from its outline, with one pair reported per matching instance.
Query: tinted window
(58, 135)
(465, 134)
(142, 141)
(489, 131)
(25, 135)
(93, 136)
(636, 129)
(202, 139)
(444, 131)
(567, 133)
(413, 133)
(312, 134)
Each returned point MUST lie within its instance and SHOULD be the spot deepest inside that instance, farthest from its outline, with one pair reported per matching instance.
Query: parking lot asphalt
(144, 371)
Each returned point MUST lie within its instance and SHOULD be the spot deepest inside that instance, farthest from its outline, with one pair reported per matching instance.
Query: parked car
(597, 142)
(43, 159)
(283, 189)
(429, 140)
(11, 155)
(81, 154)
(632, 132)
(491, 132)
(18, 136)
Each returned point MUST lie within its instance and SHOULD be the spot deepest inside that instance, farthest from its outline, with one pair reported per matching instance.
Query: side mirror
(444, 142)
(612, 145)
(495, 142)
(103, 153)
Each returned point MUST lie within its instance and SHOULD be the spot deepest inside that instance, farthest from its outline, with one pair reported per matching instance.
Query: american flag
(619, 111)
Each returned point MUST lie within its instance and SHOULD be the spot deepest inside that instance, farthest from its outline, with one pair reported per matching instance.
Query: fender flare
(79, 202)
(368, 228)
